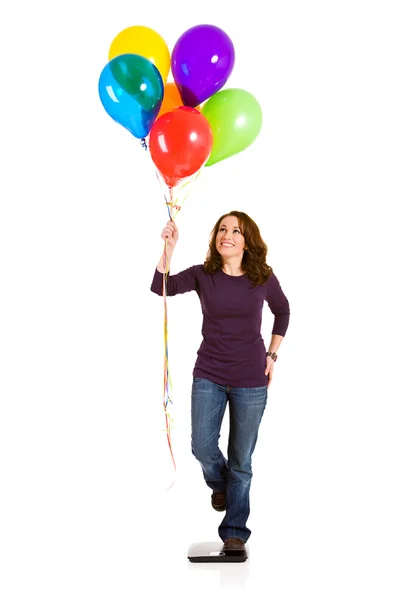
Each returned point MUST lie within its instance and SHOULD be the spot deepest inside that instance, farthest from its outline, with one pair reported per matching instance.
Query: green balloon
(235, 118)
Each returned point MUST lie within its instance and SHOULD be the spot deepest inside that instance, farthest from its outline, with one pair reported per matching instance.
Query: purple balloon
(201, 62)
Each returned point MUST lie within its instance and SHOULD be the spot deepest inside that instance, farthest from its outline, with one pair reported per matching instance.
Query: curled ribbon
(173, 206)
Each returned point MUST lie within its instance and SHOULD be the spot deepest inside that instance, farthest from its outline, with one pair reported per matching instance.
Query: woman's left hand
(269, 369)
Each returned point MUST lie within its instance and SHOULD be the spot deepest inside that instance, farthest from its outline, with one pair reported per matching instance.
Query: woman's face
(230, 241)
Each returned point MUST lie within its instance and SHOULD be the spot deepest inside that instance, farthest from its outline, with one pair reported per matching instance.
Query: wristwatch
(273, 355)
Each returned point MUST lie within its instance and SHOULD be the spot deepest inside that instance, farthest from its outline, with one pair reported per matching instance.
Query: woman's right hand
(171, 234)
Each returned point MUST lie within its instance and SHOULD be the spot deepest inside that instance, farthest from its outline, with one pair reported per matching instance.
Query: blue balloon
(131, 90)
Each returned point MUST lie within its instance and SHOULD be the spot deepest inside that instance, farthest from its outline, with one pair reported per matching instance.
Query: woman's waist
(232, 349)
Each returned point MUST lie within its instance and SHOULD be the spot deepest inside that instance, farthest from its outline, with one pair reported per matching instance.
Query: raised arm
(185, 281)
(170, 235)
(182, 282)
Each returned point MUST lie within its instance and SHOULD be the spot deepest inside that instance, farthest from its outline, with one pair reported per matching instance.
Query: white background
(84, 460)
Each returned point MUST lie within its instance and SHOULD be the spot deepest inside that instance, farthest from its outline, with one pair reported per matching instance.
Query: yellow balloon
(145, 42)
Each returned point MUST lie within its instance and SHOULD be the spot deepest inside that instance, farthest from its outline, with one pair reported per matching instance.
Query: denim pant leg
(208, 407)
(246, 408)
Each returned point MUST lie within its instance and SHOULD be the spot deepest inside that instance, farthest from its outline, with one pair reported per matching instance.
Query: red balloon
(180, 143)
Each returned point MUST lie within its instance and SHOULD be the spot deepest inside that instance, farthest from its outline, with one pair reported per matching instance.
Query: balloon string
(191, 180)
(167, 376)
(168, 388)
(143, 143)
(173, 207)
(176, 204)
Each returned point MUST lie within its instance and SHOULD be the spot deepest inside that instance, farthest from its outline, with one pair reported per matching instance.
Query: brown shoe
(218, 501)
(233, 544)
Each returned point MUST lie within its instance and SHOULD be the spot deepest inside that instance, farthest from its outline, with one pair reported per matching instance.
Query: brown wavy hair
(254, 258)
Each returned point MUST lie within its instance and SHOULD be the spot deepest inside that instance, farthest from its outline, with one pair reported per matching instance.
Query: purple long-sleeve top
(232, 351)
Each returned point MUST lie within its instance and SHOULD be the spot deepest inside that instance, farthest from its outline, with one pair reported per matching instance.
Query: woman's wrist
(273, 355)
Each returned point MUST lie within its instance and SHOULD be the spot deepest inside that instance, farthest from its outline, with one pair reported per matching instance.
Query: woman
(232, 363)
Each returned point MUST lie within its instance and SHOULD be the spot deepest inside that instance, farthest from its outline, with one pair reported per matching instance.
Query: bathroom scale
(213, 552)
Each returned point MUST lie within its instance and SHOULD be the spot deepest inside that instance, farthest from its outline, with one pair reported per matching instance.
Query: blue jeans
(232, 475)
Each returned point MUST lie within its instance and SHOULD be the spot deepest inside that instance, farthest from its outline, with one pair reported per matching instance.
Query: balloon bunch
(190, 122)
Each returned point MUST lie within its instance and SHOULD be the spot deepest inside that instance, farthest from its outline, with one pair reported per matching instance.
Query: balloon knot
(143, 143)
(175, 206)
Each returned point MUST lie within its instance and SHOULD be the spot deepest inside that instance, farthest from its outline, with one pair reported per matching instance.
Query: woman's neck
(233, 271)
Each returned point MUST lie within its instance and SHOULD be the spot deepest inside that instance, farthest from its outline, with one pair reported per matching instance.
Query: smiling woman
(237, 248)
(230, 244)
(232, 365)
